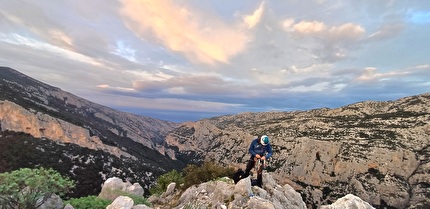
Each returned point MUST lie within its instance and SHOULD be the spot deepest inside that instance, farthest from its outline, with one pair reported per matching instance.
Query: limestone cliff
(41, 98)
(15, 118)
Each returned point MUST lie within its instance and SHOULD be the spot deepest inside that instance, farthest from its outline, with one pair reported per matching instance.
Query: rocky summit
(218, 194)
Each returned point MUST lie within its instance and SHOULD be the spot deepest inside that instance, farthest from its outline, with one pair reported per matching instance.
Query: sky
(185, 60)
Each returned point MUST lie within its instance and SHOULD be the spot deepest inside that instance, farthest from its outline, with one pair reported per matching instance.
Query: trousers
(249, 166)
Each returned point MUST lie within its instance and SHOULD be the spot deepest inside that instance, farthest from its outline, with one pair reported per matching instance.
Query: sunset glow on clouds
(185, 60)
(202, 39)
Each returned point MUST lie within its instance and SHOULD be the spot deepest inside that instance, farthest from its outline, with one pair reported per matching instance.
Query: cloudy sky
(181, 60)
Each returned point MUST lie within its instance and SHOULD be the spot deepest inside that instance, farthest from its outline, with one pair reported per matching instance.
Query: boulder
(348, 202)
(121, 202)
(135, 189)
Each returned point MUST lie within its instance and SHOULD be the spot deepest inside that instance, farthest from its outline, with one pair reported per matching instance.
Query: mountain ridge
(44, 112)
(378, 151)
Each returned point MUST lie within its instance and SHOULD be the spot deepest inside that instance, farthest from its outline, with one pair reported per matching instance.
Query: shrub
(29, 188)
(93, 202)
(89, 202)
(164, 180)
(194, 174)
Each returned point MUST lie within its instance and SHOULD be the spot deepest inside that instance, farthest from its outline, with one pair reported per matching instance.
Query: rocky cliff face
(376, 150)
(102, 121)
(110, 141)
(15, 118)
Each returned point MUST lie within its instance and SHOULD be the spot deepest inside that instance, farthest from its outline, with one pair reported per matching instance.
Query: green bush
(191, 175)
(164, 180)
(89, 202)
(94, 202)
(194, 174)
(29, 188)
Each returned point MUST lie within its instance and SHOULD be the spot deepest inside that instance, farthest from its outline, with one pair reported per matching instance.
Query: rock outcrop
(223, 193)
(114, 184)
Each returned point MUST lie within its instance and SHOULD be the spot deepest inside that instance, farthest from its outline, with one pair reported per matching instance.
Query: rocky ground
(223, 193)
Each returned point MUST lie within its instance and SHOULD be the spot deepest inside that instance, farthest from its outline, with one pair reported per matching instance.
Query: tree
(29, 188)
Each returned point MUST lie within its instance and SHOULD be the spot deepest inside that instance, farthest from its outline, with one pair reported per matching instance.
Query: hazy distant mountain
(103, 135)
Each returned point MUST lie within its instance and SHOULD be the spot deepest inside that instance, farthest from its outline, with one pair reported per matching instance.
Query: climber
(260, 149)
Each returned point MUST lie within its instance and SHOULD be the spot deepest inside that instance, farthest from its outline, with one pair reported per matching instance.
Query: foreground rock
(224, 193)
(349, 201)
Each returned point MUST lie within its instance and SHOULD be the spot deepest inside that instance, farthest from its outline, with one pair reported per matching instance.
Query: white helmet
(264, 140)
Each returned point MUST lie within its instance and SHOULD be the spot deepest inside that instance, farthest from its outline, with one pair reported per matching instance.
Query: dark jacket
(257, 148)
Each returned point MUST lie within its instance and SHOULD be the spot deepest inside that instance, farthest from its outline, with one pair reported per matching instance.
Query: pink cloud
(199, 37)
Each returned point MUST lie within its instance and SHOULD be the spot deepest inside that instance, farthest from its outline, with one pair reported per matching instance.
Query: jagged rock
(112, 186)
(348, 202)
(243, 187)
(135, 189)
(224, 193)
(53, 202)
(170, 189)
(121, 202)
